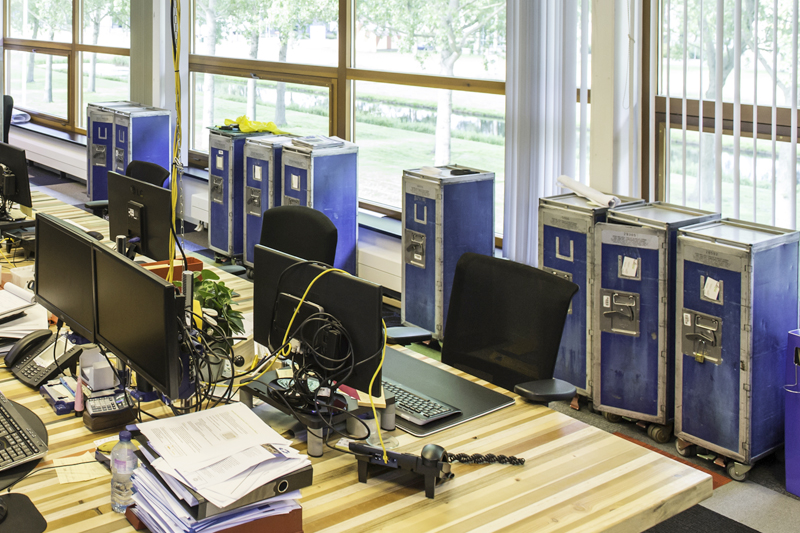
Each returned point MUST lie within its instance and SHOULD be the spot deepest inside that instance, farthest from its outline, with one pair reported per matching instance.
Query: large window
(726, 107)
(413, 83)
(62, 54)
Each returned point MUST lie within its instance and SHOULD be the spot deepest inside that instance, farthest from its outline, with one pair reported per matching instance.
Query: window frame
(72, 51)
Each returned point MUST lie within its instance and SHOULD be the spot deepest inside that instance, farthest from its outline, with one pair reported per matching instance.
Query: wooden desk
(576, 478)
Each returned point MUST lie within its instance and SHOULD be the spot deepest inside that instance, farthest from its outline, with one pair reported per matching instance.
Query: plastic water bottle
(123, 463)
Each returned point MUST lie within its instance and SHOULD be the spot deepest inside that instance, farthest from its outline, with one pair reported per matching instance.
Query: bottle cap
(125, 436)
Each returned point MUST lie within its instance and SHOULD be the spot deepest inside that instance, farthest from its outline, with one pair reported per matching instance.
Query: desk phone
(39, 366)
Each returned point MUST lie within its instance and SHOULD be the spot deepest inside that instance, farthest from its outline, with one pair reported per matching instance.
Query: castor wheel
(249, 273)
(737, 471)
(611, 417)
(688, 451)
(590, 407)
(660, 434)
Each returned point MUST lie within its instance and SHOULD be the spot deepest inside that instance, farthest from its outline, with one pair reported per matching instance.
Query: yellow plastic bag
(249, 126)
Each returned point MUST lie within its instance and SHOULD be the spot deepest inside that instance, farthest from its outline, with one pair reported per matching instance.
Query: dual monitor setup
(109, 299)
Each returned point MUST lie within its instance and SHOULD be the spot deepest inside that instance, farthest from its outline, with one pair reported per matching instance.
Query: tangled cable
(488, 458)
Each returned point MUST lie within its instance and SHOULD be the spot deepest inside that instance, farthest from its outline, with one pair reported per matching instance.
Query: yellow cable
(176, 143)
(372, 402)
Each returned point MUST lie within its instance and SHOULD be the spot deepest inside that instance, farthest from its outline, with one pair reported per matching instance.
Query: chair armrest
(97, 207)
(546, 390)
(404, 335)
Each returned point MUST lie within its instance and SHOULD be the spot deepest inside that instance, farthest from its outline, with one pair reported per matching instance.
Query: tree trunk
(32, 56)
(93, 60)
(251, 84)
(48, 78)
(444, 112)
(210, 49)
(280, 100)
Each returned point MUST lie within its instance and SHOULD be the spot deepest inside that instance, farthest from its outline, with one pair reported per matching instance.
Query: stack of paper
(317, 141)
(202, 471)
(35, 318)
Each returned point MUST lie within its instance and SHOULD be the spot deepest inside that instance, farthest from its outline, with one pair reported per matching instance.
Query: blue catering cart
(262, 191)
(322, 172)
(447, 211)
(141, 134)
(226, 192)
(737, 300)
(100, 145)
(566, 249)
(634, 371)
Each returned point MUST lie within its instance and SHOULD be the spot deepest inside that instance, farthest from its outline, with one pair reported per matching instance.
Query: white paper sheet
(605, 200)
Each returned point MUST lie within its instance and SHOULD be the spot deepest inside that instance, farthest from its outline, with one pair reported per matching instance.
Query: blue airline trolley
(141, 134)
(447, 211)
(226, 192)
(100, 145)
(566, 248)
(262, 191)
(737, 300)
(326, 179)
(635, 313)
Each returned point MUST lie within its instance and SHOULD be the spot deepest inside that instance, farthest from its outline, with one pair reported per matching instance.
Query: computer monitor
(137, 319)
(140, 209)
(14, 184)
(64, 275)
(354, 302)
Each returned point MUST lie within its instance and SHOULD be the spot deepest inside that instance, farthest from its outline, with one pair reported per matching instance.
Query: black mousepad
(22, 517)
(474, 400)
(9, 477)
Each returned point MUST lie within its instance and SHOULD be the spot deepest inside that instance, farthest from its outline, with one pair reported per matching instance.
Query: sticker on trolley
(606, 301)
(687, 319)
(711, 289)
(630, 266)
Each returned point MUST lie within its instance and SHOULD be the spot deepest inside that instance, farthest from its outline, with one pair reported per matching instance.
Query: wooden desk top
(576, 477)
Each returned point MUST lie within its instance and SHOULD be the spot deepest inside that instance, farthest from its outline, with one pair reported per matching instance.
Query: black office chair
(300, 231)
(8, 110)
(141, 170)
(504, 325)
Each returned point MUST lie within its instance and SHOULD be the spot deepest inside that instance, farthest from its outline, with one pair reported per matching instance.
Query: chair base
(404, 335)
(546, 390)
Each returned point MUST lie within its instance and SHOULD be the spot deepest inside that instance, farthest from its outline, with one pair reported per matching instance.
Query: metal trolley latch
(620, 312)
(702, 337)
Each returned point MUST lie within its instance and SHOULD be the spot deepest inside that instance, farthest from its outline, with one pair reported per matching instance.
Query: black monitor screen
(137, 319)
(354, 302)
(64, 280)
(17, 189)
(139, 209)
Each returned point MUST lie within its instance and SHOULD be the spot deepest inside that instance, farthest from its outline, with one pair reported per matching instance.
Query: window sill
(74, 138)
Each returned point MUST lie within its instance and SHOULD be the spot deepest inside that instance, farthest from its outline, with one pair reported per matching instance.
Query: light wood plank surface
(576, 477)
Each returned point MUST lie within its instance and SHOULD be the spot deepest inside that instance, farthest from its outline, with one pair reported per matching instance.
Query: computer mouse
(432, 452)
(3, 510)
(96, 234)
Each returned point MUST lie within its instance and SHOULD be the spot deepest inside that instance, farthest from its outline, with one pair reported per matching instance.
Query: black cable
(178, 243)
(488, 458)
(123, 383)
(59, 324)
(32, 472)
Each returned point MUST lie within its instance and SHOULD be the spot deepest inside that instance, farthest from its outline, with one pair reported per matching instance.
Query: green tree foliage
(444, 28)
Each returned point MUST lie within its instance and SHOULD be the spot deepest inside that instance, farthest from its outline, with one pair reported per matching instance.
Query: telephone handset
(39, 366)
(29, 343)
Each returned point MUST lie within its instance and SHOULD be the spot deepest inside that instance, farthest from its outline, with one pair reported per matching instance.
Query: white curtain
(541, 59)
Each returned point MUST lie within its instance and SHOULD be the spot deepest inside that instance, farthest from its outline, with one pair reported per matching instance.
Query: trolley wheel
(660, 434)
(590, 407)
(611, 417)
(249, 273)
(689, 451)
(730, 468)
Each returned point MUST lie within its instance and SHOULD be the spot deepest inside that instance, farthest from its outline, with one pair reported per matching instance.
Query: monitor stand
(23, 517)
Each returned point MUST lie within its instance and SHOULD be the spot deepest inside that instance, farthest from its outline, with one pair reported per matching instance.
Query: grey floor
(760, 503)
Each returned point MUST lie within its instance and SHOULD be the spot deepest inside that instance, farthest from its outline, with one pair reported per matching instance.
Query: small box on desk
(160, 268)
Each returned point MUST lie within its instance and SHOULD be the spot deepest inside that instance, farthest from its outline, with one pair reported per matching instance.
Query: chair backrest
(301, 231)
(148, 172)
(505, 320)
(8, 110)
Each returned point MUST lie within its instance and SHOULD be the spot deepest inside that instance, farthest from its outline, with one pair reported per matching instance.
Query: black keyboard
(415, 406)
(19, 443)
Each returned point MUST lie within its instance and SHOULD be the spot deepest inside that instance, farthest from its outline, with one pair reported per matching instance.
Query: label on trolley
(687, 319)
(711, 289)
(630, 239)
